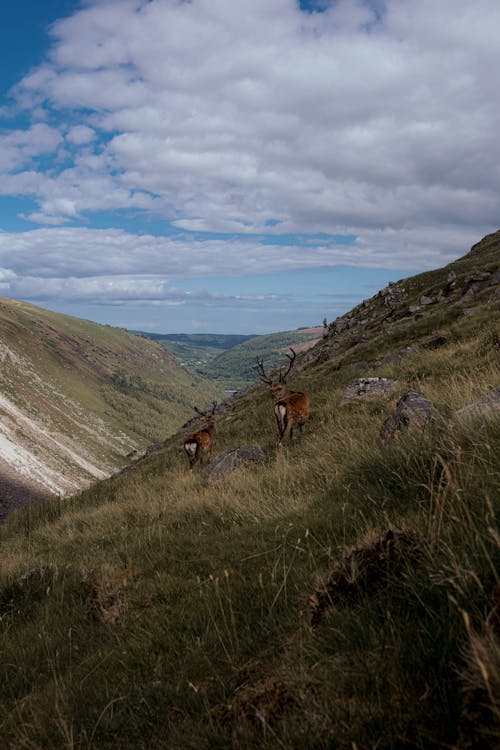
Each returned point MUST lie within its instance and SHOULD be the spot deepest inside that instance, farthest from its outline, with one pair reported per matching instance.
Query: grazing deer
(200, 444)
(291, 408)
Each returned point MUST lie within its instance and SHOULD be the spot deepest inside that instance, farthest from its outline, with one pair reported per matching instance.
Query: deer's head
(278, 383)
(208, 417)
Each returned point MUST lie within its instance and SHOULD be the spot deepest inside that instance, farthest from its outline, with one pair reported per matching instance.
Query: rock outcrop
(413, 412)
(367, 389)
(230, 461)
(486, 405)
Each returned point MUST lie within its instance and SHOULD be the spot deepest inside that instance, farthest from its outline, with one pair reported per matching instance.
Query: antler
(283, 376)
(205, 413)
(265, 378)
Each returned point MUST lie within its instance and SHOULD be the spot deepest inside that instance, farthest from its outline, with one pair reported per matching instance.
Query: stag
(291, 408)
(200, 444)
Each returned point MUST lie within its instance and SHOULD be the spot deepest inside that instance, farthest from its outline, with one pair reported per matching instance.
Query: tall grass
(153, 611)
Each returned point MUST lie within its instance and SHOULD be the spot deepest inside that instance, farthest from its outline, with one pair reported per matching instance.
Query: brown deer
(200, 444)
(291, 408)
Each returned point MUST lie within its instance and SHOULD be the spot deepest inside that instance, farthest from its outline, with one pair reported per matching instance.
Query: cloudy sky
(241, 166)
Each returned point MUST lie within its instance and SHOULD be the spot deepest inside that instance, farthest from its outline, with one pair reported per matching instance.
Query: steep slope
(404, 313)
(343, 593)
(76, 397)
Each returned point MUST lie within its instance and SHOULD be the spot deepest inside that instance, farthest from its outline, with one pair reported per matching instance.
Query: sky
(241, 166)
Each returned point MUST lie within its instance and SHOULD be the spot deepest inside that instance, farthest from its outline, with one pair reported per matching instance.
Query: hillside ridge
(77, 397)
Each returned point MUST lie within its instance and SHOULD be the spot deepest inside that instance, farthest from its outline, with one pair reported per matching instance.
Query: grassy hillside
(237, 365)
(230, 360)
(344, 594)
(76, 397)
(196, 350)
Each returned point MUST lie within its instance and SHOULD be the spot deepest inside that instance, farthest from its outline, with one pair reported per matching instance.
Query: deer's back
(203, 438)
(296, 405)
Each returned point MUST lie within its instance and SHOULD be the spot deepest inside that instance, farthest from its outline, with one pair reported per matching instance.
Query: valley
(230, 359)
(340, 591)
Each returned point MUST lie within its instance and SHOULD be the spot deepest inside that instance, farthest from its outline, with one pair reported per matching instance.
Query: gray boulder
(486, 405)
(365, 389)
(451, 282)
(338, 326)
(393, 294)
(425, 300)
(231, 460)
(475, 284)
(413, 412)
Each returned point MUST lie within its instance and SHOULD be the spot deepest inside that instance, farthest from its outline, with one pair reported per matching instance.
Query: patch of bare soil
(259, 703)
(363, 571)
(257, 707)
(302, 346)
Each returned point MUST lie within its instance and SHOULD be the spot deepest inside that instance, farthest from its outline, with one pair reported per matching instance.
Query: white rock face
(48, 442)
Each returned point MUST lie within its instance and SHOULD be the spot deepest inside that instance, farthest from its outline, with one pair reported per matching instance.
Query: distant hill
(212, 340)
(196, 350)
(76, 397)
(230, 359)
(238, 365)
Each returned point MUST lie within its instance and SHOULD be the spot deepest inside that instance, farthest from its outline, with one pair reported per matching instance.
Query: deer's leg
(281, 421)
(191, 449)
(285, 432)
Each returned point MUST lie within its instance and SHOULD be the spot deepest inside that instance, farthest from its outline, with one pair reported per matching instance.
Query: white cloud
(129, 290)
(80, 134)
(21, 147)
(91, 264)
(221, 115)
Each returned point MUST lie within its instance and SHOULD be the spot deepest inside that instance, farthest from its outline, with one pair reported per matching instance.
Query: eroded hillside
(76, 398)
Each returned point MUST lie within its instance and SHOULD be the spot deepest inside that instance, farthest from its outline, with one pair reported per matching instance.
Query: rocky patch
(413, 412)
(229, 461)
(367, 389)
(486, 405)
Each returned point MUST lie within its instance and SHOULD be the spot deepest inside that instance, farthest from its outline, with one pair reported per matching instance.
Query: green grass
(164, 613)
(177, 565)
(196, 352)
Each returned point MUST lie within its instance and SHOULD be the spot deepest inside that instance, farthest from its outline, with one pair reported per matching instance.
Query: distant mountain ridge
(240, 361)
(215, 340)
(230, 359)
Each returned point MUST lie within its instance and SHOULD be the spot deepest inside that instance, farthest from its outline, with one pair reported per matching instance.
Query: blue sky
(241, 167)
